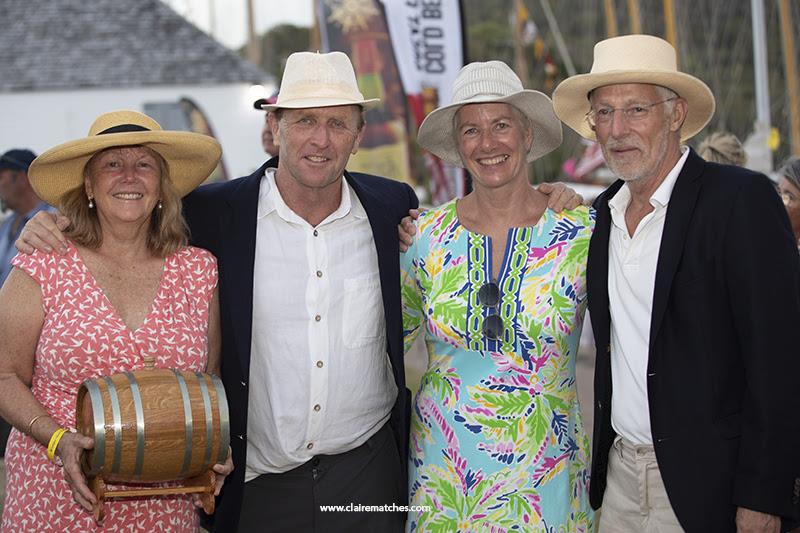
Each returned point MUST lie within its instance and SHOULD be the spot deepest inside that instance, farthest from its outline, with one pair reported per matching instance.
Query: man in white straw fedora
(694, 293)
(312, 357)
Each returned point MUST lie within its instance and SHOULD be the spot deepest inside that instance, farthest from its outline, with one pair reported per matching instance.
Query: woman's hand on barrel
(221, 471)
(70, 449)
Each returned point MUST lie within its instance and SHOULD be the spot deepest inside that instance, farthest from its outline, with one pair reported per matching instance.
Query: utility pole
(758, 151)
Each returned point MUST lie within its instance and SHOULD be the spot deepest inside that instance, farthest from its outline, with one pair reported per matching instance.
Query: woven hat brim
(571, 102)
(306, 103)
(436, 131)
(190, 157)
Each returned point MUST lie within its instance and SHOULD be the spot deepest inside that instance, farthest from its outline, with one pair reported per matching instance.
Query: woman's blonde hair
(723, 147)
(166, 232)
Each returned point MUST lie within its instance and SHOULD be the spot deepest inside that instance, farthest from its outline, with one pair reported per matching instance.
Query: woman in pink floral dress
(127, 288)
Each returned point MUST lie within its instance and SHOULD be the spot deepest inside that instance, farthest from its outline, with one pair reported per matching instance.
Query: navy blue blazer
(723, 362)
(222, 219)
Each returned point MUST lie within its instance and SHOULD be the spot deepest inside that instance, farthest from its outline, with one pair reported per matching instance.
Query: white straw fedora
(190, 157)
(633, 59)
(319, 80)
(492, 81)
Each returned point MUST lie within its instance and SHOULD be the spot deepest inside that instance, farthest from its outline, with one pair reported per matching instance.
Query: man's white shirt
(632, 265)
(321, 380)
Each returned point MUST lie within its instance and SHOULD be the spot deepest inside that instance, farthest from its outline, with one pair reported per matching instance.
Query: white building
(64, 62)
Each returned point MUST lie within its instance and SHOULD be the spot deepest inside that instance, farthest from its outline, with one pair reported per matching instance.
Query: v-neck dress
(497, 440)
(84, 337)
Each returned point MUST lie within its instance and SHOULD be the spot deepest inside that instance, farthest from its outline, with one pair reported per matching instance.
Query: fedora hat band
(123, 128)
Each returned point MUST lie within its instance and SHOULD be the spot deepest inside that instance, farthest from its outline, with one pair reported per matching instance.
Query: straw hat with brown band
(190, 157)
(633, 59)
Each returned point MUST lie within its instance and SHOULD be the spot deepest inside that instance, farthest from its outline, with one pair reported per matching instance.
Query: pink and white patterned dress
(83, 337)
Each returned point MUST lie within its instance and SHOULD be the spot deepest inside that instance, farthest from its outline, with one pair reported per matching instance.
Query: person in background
(694, 293)
(267, 139)
(18, 196)
(724, 148)
(128, 288)
(789, 189)
(496, 282)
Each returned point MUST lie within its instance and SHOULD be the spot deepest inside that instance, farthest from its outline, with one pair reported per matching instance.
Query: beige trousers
(635, 499)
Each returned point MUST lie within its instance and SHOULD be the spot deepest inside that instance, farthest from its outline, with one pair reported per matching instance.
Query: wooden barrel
(153, 425)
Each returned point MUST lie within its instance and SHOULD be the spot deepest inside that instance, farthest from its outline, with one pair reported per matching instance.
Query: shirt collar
(270, 200)
(659, 198)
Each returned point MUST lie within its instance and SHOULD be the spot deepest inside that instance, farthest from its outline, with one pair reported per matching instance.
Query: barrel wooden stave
(154, 449)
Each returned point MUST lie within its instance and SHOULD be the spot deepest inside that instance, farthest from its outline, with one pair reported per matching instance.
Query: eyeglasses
(634, 113)
(489, 296)
(787, 198)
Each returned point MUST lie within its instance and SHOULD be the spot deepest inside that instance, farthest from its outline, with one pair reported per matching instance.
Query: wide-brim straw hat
(483, 83)
(190, 157)
(633, 59)
(319, 80)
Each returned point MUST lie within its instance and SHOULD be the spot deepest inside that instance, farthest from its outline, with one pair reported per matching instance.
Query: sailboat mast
(790, 71)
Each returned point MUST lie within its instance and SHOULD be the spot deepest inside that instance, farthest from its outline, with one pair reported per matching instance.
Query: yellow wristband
(53, 444)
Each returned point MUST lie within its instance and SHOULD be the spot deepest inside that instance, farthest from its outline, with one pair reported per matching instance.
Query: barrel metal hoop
(224, 420)
(137, 406)
(209, 417)
(99, 455)
(116, 418)
(187, 416)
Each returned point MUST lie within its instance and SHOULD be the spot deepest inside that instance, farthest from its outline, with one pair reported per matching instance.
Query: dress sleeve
(411, 292)
(42, 267)
(201, 267)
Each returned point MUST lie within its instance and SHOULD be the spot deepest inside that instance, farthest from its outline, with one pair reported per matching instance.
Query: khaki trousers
(635, 499)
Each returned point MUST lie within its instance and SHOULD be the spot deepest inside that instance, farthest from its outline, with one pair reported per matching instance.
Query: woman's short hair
(166, 232)
(723, 147)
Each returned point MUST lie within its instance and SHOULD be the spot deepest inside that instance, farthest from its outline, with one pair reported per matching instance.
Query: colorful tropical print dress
(497, 440)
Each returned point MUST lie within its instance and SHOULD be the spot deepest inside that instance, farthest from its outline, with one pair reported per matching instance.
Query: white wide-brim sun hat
(633, 59)
(319, 80)
(490, 82)
(190, 157)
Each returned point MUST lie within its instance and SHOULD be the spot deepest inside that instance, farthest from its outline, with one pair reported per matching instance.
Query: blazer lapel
(676, 224)
(597, 270)
(240, 250)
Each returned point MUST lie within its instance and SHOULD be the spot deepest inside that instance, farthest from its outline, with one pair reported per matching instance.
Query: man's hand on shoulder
(560, 197)
(406, 229)
(749, 521)
(43, 232)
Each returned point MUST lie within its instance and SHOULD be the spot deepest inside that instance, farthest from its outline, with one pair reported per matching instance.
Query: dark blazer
(723, 363)
(222, 219)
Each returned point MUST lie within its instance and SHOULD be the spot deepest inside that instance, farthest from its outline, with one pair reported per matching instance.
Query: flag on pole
(428, 42)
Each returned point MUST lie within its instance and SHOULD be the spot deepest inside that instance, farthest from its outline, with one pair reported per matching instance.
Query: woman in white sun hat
(496, 283)
(128, 288)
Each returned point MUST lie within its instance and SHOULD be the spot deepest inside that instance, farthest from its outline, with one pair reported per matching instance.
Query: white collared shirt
(320, 376)
(631, 283)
